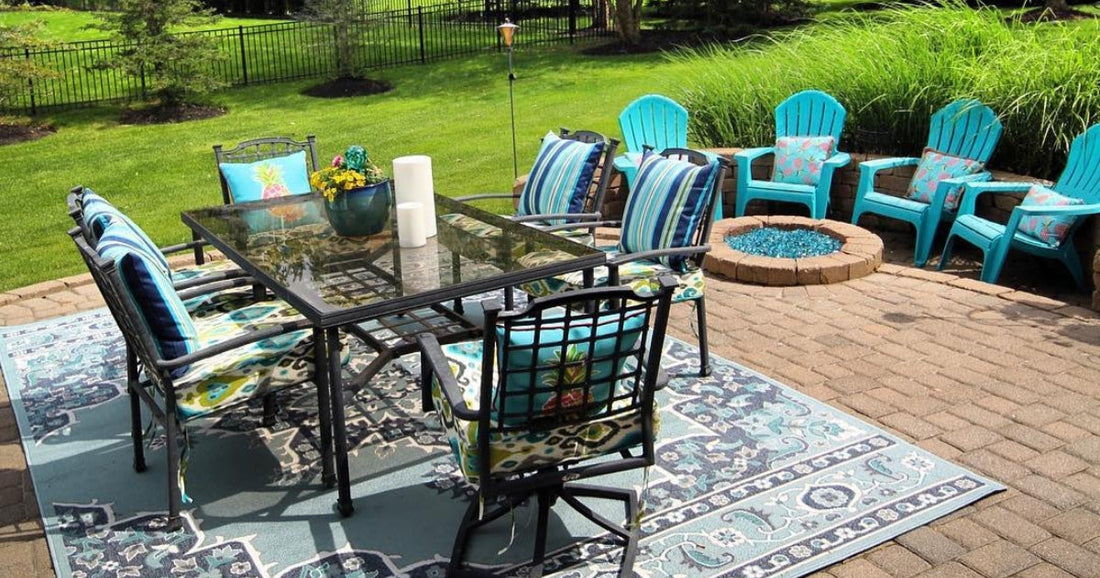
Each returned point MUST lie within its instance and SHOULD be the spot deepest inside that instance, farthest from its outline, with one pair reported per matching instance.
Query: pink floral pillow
(798, 159)
(1050, 229)
(934, 167)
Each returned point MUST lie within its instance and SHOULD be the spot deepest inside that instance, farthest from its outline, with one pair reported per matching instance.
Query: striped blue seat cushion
(560, 178)
(666, 206)
(162, 312)
(98, 213)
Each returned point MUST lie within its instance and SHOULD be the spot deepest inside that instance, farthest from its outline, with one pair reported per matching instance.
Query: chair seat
(193, 271)
(640, 276)
(992, 230)
(244, 373)
(897, 202)
(522, 450)
(792, 188)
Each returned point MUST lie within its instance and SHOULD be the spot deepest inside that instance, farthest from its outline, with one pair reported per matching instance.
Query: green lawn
(455, 111)
(72, 25)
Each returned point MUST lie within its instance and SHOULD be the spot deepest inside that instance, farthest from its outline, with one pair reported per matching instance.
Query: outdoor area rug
(753, 479)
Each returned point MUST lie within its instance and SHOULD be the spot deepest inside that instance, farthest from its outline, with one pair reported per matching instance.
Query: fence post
(574, 6)
(244, 59)
(30, 82)
(420, 22)
(144, 95)
(409, 11)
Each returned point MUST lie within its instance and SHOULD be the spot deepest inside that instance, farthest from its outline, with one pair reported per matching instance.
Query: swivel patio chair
(197, 362)
(565, 187)
(655, 121)
(807, 129)
(548, 397)
(664, 231)
(961, 139)
(1044, 223)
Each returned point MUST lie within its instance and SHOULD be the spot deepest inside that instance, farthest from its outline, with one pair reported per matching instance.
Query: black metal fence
(300, 49)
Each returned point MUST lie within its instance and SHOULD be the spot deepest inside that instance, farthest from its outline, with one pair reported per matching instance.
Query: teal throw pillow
(535, 373)
(934, 167)
(150, 290)
(666, 206)
(560, 178)
(267, 178)
(1050, 229)
(798, 159)
(99, 213)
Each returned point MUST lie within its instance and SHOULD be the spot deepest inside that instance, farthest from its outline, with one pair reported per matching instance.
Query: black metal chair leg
(704, 350)
(270, 408)
(135, 410)
(175, 496)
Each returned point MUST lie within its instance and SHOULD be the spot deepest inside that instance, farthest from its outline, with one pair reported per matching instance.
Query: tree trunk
(601, 14)
(1057, 6)
(628, 21)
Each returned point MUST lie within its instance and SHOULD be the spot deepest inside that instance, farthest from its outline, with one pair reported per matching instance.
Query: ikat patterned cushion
(666, 206)
(267, 178)
(798, 159)
(934, 167)
(1049, 229)
(560, 178)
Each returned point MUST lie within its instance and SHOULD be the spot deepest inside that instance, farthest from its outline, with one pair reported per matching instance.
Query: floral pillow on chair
(1049, 229)
(934, 167)
(798, 159)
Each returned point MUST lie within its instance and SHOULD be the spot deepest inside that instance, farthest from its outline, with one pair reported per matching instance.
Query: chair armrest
(836, 161)
(468, 198)
(890, 163)
(190, 289)
(434, 363)
(1059, 210)
(574, 216)
(210, 278)
(656, 253)
(942, 187)
(180, 247)
(231, 344)
(585, 225)
(971, 192)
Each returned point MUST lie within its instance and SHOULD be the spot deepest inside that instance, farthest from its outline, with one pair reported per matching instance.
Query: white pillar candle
(411, 230)
(412, 182)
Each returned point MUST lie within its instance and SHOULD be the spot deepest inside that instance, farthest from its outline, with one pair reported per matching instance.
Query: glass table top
(288, 246)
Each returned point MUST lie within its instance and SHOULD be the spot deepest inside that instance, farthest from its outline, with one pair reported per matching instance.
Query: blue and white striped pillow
(560, 178)
(99, 213)
(151, 291)
(666, 205)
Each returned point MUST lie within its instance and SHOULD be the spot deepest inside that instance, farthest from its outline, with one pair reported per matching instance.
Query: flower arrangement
(351, 171)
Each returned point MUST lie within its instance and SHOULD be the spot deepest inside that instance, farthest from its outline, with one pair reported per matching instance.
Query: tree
(175, 68)
(628, 21)
(16, 71)
(340, 14)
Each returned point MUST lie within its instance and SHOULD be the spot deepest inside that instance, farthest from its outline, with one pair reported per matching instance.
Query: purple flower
(337, 161)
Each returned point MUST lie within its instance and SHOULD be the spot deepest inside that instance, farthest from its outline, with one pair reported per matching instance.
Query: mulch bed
(345, 87)
(158, 114)
(11, 133)
(1046, 15)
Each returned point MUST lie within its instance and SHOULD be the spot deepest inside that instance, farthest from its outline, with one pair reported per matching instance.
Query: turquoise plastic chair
(807, 113)
(965, 128)
(1080, 179)
(655, 121)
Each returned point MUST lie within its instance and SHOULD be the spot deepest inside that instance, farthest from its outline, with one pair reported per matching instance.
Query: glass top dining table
(375, 289)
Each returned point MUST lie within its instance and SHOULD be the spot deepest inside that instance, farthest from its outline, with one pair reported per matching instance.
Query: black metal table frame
(327, 327)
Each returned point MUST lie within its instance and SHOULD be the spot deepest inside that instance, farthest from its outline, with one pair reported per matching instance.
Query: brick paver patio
(1002, 381)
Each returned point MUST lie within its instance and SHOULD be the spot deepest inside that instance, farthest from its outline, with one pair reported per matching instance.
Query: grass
(892, 68)
(455, 111)
(63, 25)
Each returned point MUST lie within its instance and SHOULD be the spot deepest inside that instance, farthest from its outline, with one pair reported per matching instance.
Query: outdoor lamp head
(507, 31)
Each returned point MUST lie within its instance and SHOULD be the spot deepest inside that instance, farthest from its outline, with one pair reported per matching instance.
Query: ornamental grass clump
(891, 69)
(353, 170)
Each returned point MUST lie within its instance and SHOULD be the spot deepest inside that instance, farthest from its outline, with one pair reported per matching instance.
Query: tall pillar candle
(412, 181)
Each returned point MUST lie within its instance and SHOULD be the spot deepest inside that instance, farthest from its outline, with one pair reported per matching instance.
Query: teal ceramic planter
(360, 212)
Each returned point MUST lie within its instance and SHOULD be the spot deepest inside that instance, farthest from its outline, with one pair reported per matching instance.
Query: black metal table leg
(324, 412)
(339, 426)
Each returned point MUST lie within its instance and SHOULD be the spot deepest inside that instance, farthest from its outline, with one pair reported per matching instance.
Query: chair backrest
(654, 120)
(598, 189)
(571, 359)
(1081, 177)
(965, 128)
(262, 148)
(810, 113)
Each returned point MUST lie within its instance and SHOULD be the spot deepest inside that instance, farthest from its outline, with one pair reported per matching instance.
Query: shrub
(892, 69)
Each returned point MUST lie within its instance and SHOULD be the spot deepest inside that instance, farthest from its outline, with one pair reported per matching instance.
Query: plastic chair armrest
(1060, 210)
(945, 185)
(434, 361)
(877, 165)
(231, 344)
(837, 160)
(972, 190)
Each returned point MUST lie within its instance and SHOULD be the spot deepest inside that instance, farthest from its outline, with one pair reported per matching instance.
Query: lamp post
(507, 33)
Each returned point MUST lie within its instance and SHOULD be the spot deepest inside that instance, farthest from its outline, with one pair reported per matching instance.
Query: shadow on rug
(752, 479)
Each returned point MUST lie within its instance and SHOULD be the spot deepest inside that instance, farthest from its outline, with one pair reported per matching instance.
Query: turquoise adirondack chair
(1079, 180)
(653, 120)
(810, 113)
(965, 128)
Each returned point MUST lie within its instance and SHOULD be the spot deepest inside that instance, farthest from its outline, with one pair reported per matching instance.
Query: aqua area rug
(753, 479)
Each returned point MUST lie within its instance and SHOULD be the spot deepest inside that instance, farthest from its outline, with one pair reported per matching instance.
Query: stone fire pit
(859, 255)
